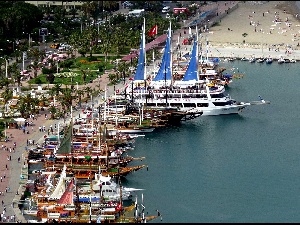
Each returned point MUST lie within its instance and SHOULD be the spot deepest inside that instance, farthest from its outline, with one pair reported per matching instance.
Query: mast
(144, 49)
(90, 208)
(143, 210)
(153, 59)
(166, 86)
(197, 53)
(206, 49)
(171, 53)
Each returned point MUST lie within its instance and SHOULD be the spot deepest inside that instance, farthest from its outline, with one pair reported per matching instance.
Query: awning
(20, 119)
(150, 45)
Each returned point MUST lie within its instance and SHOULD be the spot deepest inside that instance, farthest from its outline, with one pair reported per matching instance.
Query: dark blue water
(234, 168)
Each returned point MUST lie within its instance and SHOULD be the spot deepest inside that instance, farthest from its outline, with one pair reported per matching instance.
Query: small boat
(252, 60)
(281, 60)
(38, 171)
(244, 59)
(293, 61)
(260, 60)
(269, 60)
(31, 212)
(35, 160)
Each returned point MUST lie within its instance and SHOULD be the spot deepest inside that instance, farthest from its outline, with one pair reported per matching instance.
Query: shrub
(92, 58)
(48, 71)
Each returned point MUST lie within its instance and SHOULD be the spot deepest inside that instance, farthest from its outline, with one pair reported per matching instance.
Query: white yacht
(105, 187)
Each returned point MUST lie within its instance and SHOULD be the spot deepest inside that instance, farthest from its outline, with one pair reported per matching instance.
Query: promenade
(15, 169)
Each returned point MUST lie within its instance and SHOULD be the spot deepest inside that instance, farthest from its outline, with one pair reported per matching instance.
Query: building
(67, 4)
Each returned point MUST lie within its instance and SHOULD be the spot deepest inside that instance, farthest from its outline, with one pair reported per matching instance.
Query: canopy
(20, 119)
(150, 45)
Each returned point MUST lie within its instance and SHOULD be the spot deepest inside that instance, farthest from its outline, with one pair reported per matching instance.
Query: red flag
(153, 31)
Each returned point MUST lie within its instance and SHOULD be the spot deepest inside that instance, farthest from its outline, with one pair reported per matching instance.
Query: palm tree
(43, 100)
(122, 69)
(66, 99)
(7, 95)
(53, 111)
(88, 91)
(15, 73)
(27, 105)
(35, 66)
(4, 82)
(57, 89)
(80, 94)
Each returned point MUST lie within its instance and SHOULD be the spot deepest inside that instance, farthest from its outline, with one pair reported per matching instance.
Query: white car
(80, 120)
(166, 9)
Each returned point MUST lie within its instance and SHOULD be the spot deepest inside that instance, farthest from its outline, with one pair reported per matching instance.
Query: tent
(20, 119)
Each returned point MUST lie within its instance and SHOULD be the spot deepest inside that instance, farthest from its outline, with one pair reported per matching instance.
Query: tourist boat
(187, 94)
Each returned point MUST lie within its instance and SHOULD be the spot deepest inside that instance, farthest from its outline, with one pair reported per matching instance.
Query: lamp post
(77, 85)
(29, 40)
(6, 65)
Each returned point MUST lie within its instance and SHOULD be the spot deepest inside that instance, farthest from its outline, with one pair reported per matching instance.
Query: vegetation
(115, 36)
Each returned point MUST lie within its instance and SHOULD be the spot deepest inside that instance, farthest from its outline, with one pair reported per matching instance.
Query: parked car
(166, 9)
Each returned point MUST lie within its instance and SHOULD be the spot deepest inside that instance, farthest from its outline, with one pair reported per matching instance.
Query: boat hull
(136, 131)
(226, 110)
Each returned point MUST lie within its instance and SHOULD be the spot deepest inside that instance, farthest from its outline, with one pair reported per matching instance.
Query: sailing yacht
(189, 94)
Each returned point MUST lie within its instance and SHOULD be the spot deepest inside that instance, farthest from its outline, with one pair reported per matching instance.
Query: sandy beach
(252, 28)
(256, 22)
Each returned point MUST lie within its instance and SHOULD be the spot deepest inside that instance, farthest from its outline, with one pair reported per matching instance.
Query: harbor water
(234, 168)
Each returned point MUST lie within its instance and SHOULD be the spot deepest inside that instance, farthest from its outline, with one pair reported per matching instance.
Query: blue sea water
(234, 168)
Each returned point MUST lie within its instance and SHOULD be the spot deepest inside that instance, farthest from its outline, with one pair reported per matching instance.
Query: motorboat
(35, 160)
(252, 60)
(269, 60)
(260, 60)
(106, 187)
(281, 60)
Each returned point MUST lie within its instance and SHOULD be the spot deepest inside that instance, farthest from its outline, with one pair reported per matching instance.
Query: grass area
(91, 66)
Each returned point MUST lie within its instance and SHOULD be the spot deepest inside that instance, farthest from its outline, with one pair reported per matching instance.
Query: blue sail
(164, 72)
(191, 72)
(140, 70)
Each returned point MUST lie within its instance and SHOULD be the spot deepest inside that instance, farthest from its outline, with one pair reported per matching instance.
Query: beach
(251, 28)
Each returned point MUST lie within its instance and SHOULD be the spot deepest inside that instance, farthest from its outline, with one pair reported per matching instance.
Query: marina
(174, 147)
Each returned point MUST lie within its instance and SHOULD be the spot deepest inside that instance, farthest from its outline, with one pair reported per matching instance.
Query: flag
(153, 31)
